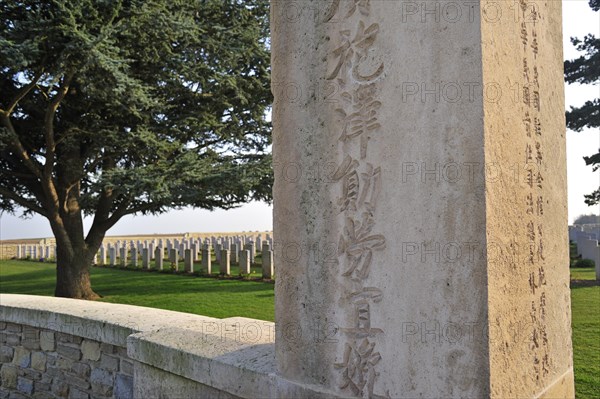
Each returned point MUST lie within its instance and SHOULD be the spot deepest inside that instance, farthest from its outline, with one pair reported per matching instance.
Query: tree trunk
(73, 279)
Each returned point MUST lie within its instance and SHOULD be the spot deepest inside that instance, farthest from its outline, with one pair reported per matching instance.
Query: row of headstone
(36, 251)
(245, 258)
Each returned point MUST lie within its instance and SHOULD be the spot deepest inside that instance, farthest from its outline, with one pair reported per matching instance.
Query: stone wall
(66, 348)
(44, 363)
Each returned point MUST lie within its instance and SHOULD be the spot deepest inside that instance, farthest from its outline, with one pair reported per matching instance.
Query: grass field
(206, 296)
(226, 298)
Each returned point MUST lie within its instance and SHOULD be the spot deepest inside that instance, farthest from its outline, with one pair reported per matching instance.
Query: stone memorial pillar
(245, 262)
(225, 264)
(112, 254)
(123, 256)
(134, 257)
(422, 233)
(158, 256)
(268, 269)
(234, 253)
(188, 261)
(103, 255)
(206, 260)
(145, 258)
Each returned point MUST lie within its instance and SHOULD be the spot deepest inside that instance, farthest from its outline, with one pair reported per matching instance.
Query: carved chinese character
(540, 205)
(525, 69)
(358, 245)
(351, 54)
(536, 100)
(538, 126)
(358, 367)
(531, 231)
(526, 95)
(529, 204)
(539, 155)
(362, 118)
(534, 43)
(363, 327)
(524, 38)
(350, 185)
(527, 123)
(363, 6)
(528, 153)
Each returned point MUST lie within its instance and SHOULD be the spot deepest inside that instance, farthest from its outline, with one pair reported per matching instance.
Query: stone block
(31, 374)
(107, 348)
(110, 363)
(126, 367)
(38, 361)
(81, 370)
(90, 350)
(2, 325)
(47, 341)
(4, 393)
(2, 337)
(123, 387)
(75, 393)
(60, 388)
(69, 352)
(68, 338)
(64, 363)
(102, 382)
(8, 376)
(41, 386)
(77, 382)
(13, 339)
(22, 357)
(13, 328)
(6, 354)
(25, 385)
(31, 338)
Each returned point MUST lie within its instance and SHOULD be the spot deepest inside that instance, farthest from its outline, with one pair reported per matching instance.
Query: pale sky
(578, 20)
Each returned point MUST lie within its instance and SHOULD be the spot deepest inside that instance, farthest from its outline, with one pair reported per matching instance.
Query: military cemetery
(420, 246)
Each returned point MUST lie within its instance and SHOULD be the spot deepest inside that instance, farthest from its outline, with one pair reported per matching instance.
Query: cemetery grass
(211, 297)
(585, 305)
(228, 298)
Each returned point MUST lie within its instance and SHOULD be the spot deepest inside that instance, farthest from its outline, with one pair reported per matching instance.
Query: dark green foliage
(586, 70)
(109, 108)
(165, 103)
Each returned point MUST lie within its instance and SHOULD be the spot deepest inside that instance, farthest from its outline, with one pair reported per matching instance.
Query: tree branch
(22, 93)
(18, 146)
(22, 201)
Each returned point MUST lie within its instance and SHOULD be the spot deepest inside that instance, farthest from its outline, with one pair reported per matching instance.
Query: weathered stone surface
(8, 375)
(22, 357)
(90, 350)
(69, 352)
(77, 382)
(31, 338)
(69, 338)
(107, 348)
(38, 361)
(126, 367)
(75, 393)
(110, 363)
(6, 354)
(81, 370)
(123, 387)
(102, 382)
(60, 388)
(64, 363)
(13, 339)
(13, 327)
(387, 245)
(47, 342)
(25, 385)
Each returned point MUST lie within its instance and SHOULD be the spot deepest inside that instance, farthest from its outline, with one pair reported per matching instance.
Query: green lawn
(206, 296)
(254, 299)
(585, 305)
